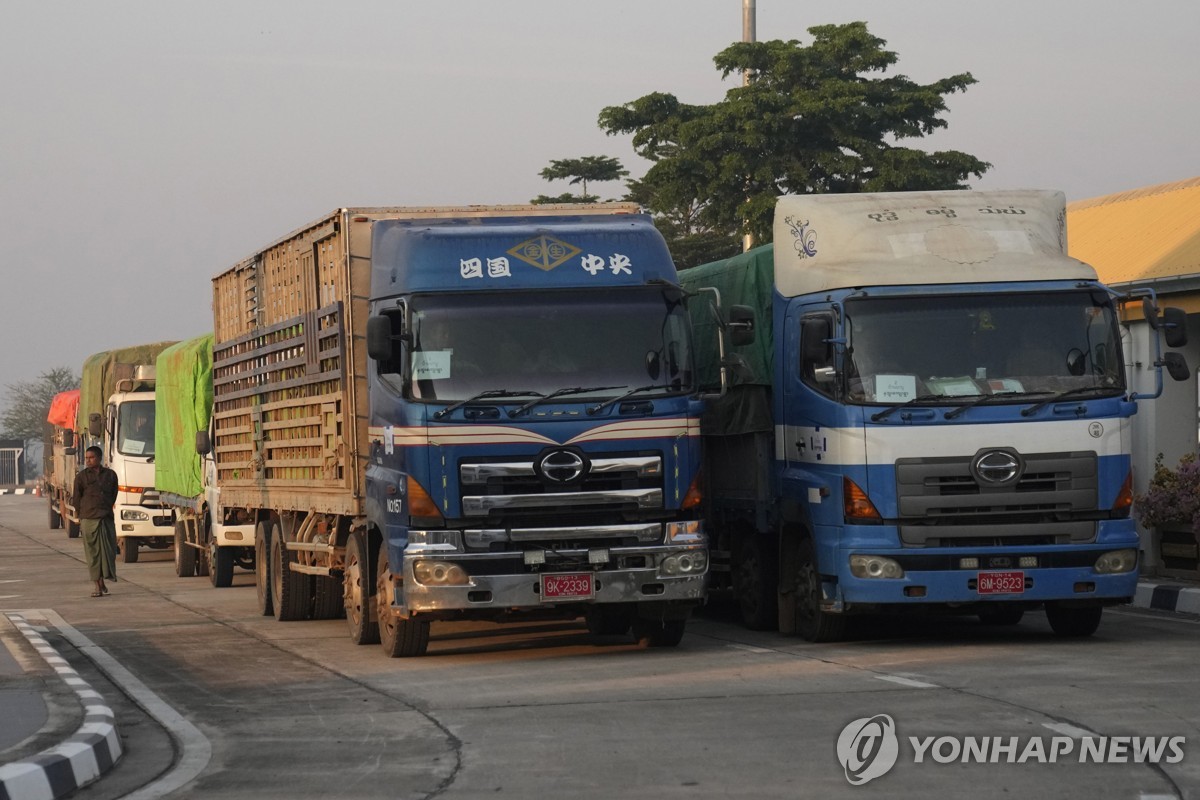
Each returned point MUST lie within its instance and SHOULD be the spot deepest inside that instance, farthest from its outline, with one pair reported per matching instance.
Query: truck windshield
(135, 428)
(935, 349)
(467, 344)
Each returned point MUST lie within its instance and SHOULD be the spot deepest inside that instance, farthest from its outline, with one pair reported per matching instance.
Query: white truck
(209, 539)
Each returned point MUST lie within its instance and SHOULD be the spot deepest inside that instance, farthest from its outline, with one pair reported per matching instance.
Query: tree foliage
(816, 118)
(28, 402)
(580, 171)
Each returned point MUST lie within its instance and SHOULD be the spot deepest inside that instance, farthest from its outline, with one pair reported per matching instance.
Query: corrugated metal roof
(1140, 235)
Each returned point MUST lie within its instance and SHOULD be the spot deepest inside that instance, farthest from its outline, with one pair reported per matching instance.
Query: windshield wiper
(981, 400)
(1054, 398)
(450, 409)
(596, 409)
(516, 412)
(925, 398)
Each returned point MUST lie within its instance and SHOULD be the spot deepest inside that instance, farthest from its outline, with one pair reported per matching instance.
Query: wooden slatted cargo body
(288, 400)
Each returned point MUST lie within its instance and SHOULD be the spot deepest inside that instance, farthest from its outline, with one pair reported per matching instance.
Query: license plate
(568, 586)
(1000, 582)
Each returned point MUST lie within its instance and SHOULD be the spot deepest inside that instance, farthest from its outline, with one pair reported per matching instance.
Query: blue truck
(934, 413)
(481, 412)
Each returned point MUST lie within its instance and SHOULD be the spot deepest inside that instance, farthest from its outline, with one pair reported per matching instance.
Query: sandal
(104, 590)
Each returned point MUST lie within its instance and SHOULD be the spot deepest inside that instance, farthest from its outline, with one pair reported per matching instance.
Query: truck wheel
(129, 550)
(609, 620)
(399, 637)
(1000, 614)
(327, 598)
(358, 592)
(220, 565)
(754, 583)
(185, 554)
(72, 529)
(262, 568)
(290, 594)
(812, 623)
(55, 517)
(658, 632)
(1073, 623)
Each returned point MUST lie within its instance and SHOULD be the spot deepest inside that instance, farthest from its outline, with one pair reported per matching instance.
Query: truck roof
(837, 241)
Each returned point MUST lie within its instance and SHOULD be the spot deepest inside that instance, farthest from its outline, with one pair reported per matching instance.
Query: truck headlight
(691, 563)
(134, 515)
(1117, 561)
(439, 573)
(875, 567)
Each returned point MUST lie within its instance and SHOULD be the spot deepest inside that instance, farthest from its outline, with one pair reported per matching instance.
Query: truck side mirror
(379, 338)
(741, 325)
(203, 443)
(70, 451)
(1176, 366)
(68, 439)
(95, 424)
(1174, 326)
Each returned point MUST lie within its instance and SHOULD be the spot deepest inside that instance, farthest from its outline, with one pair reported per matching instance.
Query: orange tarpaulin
(63, 409)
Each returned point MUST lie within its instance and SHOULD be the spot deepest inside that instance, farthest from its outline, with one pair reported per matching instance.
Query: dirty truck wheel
(289, 590)
(754, 583)
(359, 592)
(262, 568)
(659, 633)
(55, 518)
(812, 623)
(220, 565)
(185, 554)
(399, 637)
(327, 598)
(1074, 623)
(129, 550)
(72, 529)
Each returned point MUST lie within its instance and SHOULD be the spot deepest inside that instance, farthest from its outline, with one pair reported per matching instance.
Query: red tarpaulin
(63, 409)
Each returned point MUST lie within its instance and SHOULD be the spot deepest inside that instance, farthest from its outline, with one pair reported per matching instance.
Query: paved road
(538, 710)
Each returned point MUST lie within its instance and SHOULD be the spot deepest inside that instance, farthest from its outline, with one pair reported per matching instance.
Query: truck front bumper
(143, 521)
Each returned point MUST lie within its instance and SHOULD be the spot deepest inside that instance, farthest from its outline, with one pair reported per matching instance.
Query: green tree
(28, 403)
(816, 118)
(581, 170)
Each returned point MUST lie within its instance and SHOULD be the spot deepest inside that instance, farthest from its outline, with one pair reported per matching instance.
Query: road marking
(1066, 729)
(195, 749)
(13, 580)
(907, 682)
(749, 648)
(8, 596)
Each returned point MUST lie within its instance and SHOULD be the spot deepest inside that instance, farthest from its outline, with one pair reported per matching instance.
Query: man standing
(94, 496)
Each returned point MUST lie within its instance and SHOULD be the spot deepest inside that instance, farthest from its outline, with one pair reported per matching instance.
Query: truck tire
(812, 623)
(185, 554)
(129, 550)
(55, 517)
(1000, 614)
(262, 568)
(1073, 623)
(290, 592)
(658, 632)
(327, 598)
(73, 529)
(399, 637)
(609, 620)
(220, 565)
(755, 582)
(359, 591)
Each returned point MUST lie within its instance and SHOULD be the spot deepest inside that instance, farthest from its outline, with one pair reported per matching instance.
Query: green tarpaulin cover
(102, 371)
(182, 405)
(747, 279)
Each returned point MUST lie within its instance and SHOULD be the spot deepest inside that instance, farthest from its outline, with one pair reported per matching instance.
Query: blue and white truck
(463, 413)
(935, 412)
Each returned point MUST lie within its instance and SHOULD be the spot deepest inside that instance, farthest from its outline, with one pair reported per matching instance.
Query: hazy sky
(147, 145)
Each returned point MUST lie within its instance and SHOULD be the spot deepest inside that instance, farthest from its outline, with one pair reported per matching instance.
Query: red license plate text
(568, 586)
(1001, 582)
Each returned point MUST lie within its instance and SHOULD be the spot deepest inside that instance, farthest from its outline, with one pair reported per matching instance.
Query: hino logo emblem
(996, 466)
(562, 466)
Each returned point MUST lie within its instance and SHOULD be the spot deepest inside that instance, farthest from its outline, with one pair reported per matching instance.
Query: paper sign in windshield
(895, 388)
(431, 365)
